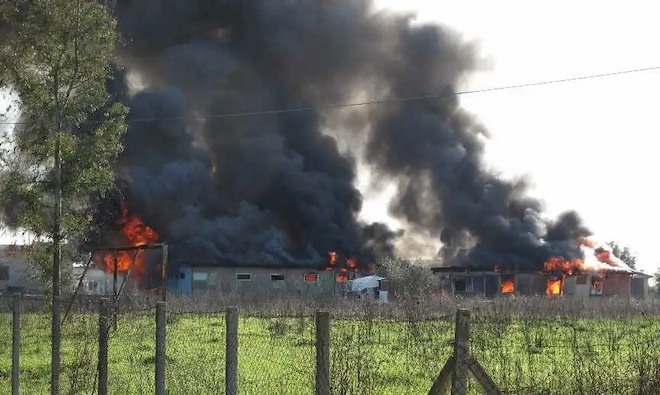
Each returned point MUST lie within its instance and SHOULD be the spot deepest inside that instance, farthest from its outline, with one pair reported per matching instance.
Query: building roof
(302, 265)
(476, 269)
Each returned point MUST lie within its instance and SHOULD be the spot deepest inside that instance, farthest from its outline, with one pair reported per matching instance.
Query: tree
(623, 253)
(56, 59)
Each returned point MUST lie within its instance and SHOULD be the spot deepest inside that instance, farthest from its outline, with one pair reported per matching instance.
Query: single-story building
(492, 282)
(299, 280)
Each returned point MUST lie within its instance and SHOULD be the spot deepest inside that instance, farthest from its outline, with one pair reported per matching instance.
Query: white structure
(96, 281)
(16, 275)
(371, 285)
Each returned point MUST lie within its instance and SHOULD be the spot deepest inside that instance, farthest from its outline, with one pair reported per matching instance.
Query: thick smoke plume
(276, 188)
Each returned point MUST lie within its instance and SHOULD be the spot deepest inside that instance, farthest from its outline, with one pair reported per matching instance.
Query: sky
(587, 145)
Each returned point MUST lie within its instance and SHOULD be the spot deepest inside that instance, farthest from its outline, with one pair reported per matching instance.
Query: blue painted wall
(182, 281)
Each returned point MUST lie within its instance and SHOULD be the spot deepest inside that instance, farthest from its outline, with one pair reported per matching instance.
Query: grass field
(525, 354)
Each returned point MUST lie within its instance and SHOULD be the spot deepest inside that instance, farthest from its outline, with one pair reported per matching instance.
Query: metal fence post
(15, 343)
(322, 353)
(161, 325)
(461, 353)
(104, 326)
(231, 354)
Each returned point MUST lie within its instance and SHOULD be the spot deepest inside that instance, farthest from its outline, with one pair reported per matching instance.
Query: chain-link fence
(372, 350)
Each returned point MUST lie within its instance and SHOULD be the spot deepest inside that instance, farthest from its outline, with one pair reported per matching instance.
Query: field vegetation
(527, 345)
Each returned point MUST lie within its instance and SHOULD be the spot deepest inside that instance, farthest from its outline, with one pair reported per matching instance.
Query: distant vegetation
(624, 253)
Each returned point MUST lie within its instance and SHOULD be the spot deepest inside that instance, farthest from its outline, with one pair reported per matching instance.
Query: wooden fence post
(161, 326)
(231, 354)
(461, 353)
(322, 353)
(104, 327)
(15, 343)
(56, 344)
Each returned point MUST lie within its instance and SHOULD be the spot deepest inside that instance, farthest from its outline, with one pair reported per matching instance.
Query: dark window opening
(243, 276)
(460, 285)
(4, 273)
(277, 277)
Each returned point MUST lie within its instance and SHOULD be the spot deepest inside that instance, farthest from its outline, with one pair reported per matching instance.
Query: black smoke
(276, 187)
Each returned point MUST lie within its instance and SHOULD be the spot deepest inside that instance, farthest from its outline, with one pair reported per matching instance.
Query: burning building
(237, 154)
(599, 273)
(324, 279)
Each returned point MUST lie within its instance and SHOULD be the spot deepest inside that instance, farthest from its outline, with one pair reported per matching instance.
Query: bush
(409, 279)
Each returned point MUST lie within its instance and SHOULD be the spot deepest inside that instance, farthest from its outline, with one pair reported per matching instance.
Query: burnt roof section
(461, 269)
(256, 265)
(490, 269)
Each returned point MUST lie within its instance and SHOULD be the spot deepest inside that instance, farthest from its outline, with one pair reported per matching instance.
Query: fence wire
(532, 355)
(276, 354)
(369, 354)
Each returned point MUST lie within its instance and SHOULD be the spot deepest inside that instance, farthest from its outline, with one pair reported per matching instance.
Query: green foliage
(409, 279)
(623, 253)
(56, 61)
(523, 355)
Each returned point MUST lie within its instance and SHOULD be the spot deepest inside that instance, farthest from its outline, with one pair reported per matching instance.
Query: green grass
(524, 355)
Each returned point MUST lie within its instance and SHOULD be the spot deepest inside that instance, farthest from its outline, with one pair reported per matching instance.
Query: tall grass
(528, 345)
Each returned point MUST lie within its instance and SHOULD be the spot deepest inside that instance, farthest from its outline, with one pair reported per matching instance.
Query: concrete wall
(578, 286)
(639, 287)
(16, 274)
(617, 285)
(530, 284)
(199, 280)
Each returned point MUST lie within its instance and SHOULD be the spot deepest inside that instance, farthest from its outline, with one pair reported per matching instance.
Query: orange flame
(553, 287)
(560, 265)
(333, 257)
(349, 265)
(597, 284)
(586, 242)
(137, 234)
(507, 286)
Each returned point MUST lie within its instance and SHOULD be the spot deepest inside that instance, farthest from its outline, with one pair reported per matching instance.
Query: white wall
(20, 273)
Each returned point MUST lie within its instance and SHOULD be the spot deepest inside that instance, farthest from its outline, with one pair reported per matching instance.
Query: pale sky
(588, 145)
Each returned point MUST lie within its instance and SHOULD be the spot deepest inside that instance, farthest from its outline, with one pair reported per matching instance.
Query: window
(200, 281)
(243, 276)
(4, 273)
(311, 277)
(581, 280)
(200, 276)
(277, 277)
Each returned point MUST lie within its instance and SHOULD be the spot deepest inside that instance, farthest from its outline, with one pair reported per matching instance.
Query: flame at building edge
(135, 233)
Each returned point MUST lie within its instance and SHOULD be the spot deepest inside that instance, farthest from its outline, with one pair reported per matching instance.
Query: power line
(383, 101)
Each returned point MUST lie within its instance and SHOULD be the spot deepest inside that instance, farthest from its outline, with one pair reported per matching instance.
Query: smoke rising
(276, 188)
